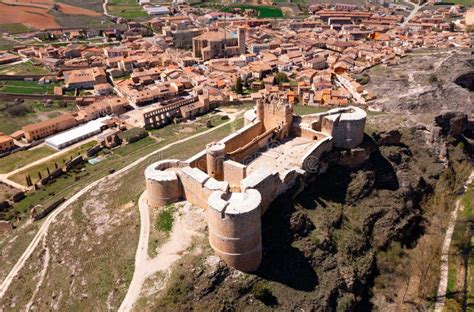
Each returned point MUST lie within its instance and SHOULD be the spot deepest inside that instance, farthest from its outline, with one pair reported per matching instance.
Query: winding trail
(180, 238)
(52, 216)
(443, 280)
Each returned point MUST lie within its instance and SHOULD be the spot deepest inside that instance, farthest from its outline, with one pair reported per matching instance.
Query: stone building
(219, 44)
(48, 127)
(237, 178)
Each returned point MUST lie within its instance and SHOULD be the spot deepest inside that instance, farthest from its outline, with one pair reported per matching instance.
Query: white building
(77, 134)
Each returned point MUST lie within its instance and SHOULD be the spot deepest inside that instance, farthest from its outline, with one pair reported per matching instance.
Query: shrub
(17, 110)
(263, 293)
(165, 219)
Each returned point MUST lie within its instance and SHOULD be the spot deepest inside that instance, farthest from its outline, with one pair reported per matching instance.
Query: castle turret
(235, 230)
(215, 156)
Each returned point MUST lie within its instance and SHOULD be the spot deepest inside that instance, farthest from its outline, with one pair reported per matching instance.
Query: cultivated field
(38, 14)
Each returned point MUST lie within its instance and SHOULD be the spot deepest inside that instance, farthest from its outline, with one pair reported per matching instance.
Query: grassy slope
(22, 158)
(97, 259)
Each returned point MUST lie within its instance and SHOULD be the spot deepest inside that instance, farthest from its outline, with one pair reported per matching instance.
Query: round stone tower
(162, 184)
(235, 231)
(215, 156)
(260, 110)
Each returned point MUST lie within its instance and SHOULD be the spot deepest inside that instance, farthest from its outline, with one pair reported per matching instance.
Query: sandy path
(443, 280)
(180, 238)
(51, 217)
(42, 275)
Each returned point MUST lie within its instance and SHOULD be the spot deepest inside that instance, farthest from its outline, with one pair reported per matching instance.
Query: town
(226, 107)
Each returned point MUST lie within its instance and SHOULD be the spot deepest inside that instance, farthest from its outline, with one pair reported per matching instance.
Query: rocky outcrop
(452, 123)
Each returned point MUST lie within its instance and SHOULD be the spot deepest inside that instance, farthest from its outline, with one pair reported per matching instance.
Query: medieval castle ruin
(237, 178)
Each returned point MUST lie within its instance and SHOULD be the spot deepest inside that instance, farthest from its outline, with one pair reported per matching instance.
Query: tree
(281, 78)
(238, 86)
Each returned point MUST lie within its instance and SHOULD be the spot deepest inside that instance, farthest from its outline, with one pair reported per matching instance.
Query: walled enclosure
(237, 178)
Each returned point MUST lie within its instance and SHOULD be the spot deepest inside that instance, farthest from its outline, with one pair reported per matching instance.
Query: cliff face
(320, 247)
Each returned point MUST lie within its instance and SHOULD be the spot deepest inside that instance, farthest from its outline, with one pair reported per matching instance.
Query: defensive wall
(237, 178)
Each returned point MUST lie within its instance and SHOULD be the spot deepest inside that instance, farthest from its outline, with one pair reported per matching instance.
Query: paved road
(50, 219)
(443, 280)
(413, 12)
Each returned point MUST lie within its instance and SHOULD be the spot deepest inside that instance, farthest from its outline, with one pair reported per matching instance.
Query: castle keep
(237, 178)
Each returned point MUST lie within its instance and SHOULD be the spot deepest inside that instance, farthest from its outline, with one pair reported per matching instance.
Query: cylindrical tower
(260, 110)
(215, 156)
(162, 184)
(235, 230)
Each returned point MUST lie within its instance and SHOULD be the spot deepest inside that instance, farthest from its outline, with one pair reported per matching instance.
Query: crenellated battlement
(237, 178)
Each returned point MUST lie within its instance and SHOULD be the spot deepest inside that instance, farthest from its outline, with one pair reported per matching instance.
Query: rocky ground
(423, 82)
(320, 248)
(365, 234)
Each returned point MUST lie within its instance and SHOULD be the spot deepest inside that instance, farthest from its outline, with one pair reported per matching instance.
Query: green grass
(42, 168)
(26, 87)
(22, 158)
(462, 2)
(77, 179)
(6, 44)
(11, 123)
(165, 219)
(263, 11)
(13, 28)
(128, 9)
(25, 68)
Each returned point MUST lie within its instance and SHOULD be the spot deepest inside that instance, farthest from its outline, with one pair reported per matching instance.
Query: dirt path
(42, 275)
(180, 238)
(50, 219)
(443, 280)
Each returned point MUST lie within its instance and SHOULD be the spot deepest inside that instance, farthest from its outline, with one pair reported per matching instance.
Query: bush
(364, 79)
(17, 110)
(263, 293)
(281, 78)
(432, 78)
(165, 219)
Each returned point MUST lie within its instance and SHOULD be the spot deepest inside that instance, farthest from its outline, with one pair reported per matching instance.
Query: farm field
(15, 115)
(22, 158)
(24, 68)
(13, 28)
(128, 9)
(26, 87)
(17, 16)
(263, 11)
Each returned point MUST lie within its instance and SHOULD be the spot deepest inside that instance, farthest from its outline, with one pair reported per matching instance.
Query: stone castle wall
(216, 179)
(235, 230)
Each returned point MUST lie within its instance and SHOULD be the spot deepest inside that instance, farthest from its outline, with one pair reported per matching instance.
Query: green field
(22, 158)
(6, 44)
(462, 2)
(13, 28)
(26, 87)
(42, 168)
(263, 11)
(128, 9)
(24, 68)
(12, 120)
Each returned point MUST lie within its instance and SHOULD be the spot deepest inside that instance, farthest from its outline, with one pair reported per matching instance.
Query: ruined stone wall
(235, 231)
(197, 186)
